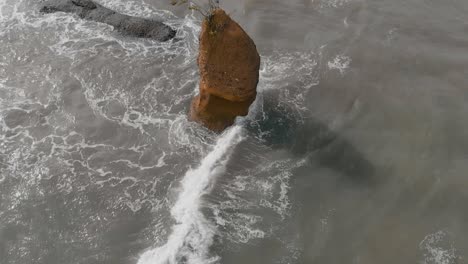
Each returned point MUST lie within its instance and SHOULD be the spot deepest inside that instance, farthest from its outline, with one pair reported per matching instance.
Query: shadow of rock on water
(332, 180)
(280, 126)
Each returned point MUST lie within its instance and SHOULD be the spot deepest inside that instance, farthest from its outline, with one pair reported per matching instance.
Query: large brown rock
(229, 69)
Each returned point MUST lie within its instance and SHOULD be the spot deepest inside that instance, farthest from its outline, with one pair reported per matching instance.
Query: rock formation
(229, 69)
(127, 25)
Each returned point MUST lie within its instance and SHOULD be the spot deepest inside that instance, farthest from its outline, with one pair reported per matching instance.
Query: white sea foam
(276, 73)
(333, 3)
(438, 249)
(193, 234)
(72, 42)
(340, 63)
(262, 188)
(136, 8)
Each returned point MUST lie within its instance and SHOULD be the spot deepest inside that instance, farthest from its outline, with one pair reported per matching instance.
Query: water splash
(193, 234)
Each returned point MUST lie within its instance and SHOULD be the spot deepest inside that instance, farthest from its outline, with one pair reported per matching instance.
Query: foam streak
(193, 234)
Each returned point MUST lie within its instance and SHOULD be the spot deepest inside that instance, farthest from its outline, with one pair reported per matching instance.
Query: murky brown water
(356, 150)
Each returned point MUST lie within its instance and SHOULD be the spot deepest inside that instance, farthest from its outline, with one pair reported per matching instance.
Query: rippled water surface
(356, 150)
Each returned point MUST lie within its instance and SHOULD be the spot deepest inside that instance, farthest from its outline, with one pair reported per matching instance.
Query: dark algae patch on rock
(127, 25)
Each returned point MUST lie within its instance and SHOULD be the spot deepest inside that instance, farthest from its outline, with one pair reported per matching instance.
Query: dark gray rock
(127, 25)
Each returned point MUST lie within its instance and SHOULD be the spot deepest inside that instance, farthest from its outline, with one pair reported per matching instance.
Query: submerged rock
(229, 69)
(128, 25)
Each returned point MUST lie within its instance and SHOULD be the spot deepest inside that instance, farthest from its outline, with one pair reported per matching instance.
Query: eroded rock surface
(229, 70)
(127, 25)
